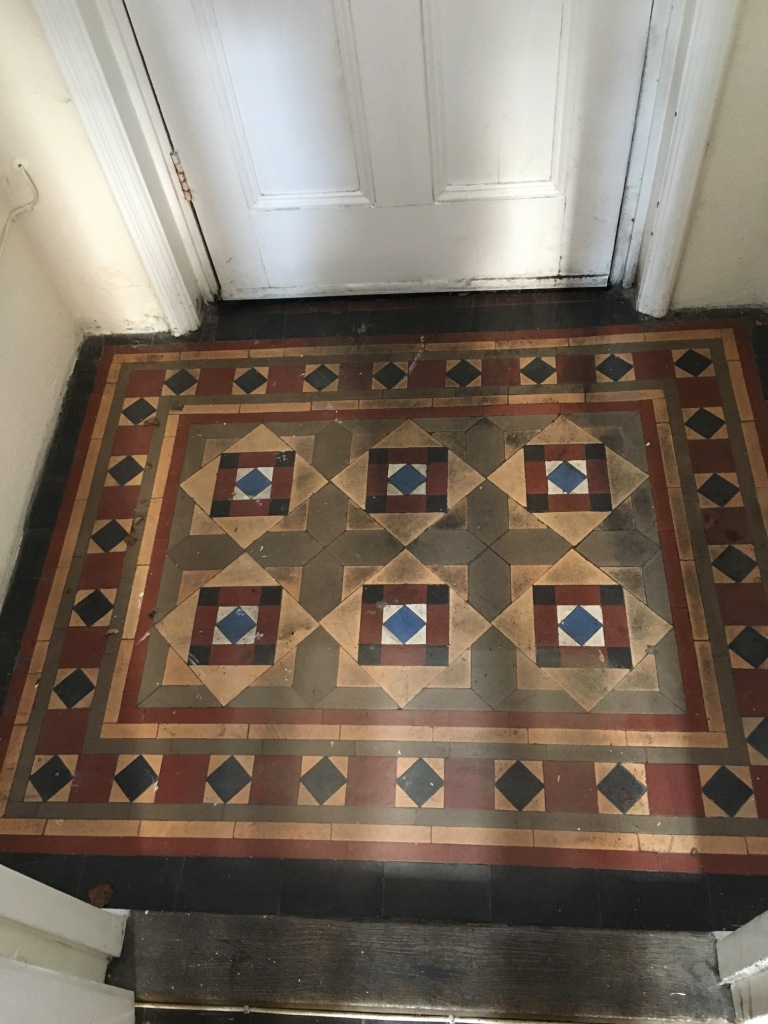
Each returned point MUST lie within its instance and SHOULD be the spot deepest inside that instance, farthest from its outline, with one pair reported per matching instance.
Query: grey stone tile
(327, 514)
(284, 549)
(656, 593)
(622, 518)
(202, 552)
(488, 512)
(365, 547)
(321, 584)
(406, 748)
(494, 671)
(332, 448)
(452, 439)
(489, 584)
(267, 697)
(552, 701)
(455, 519)
(637, 703)
(500, 751)
(668, 671)
(645, 512)
(435, 698)
(620, 547)
(360, 697)
(531, 547)
(485, 447)
(317, 660)
(441, 547)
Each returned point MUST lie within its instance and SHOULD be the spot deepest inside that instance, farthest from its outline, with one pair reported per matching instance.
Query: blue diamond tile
(580, 625)
(235, 625)
(567, 477)
(253, 483)
(404, 624)
(407, 479)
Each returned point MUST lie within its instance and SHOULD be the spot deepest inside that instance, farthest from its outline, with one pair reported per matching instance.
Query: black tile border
(419, 891)
(349, 889)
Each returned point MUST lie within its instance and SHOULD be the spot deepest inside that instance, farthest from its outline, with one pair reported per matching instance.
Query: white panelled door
(395, 145)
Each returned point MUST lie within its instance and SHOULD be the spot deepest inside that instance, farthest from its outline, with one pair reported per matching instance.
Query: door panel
(363, 145)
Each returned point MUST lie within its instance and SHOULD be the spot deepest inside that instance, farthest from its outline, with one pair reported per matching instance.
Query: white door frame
(687, 53)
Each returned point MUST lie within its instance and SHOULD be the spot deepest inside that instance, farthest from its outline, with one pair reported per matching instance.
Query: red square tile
(285, 379)
(145, 383)
(133, 440)
(371, 781)
(215, 380)
(93, 779)
(569, 787)
(575, 369)
(355, 376)
(751, 686)
(698, 391)
(760, 786)
(276, 780)
(742, 604)
(469, 783)
(715, 456)
(674, 789)
(101, 570)
(63, 731)
(427, 373)
(83, 648)
(501, 372)
(182, 779)
(654, 364)
(726, 525)
(118, 503)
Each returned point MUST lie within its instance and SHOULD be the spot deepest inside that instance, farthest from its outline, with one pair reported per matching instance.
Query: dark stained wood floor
(402, 968)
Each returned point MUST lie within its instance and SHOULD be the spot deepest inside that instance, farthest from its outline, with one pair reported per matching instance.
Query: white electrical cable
(18, 210)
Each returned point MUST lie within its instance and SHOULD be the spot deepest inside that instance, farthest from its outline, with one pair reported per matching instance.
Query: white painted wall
(39, 335)
(68, 267)
(725, 260)
(76, 228)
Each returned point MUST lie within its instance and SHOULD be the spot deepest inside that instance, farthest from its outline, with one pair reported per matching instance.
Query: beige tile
(358, 833)
(755, 453)
(668, 455)
(741, 394)
(711, 809)
(210, 796)
(117, 683)
(187, 829)
(437, 764)
(579, 737)
(652, 738)
(203, 731)
(475, 734)
(127, 731)
(694, 844)
(148, 796)
(585, 840)
(604, 805)
(149, 531)
(285, 731)
(32, 796)
(710, 689)
(500, 801)
(21, 827)
(457, 836)
(90, 827)
(302, 831)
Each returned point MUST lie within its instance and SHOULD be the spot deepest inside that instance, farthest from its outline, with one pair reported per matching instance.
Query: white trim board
(688, 48)
(84, 52)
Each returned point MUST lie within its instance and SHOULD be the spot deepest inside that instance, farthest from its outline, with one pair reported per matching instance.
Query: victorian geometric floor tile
(407, 600)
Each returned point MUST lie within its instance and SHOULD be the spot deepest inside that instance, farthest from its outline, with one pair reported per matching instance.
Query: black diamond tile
(463, 373)
(390, 375)
(136, 778)
(519, 785)
(180, 382)
(51, 777)
(727, 790)
(704, 423)
(93, 607)
(73, 688)
(718, 490)
(693, 362)
(228, 779)
(734, 564)
(614, 367)
(420, 782)
(621, 788)
(110, 535)
(538, 371)
(250, 381)
(751, 646)
(758, 738)
(125, 470)
(321, 377)
(138, 411)
(323, 780)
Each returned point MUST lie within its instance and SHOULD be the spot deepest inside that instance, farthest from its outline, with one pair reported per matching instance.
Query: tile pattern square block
(503, 601)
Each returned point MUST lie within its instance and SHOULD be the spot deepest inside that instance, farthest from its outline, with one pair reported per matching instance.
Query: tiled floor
(491, 597)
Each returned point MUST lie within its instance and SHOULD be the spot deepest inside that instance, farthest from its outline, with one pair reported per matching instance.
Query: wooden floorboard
(487, 971)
